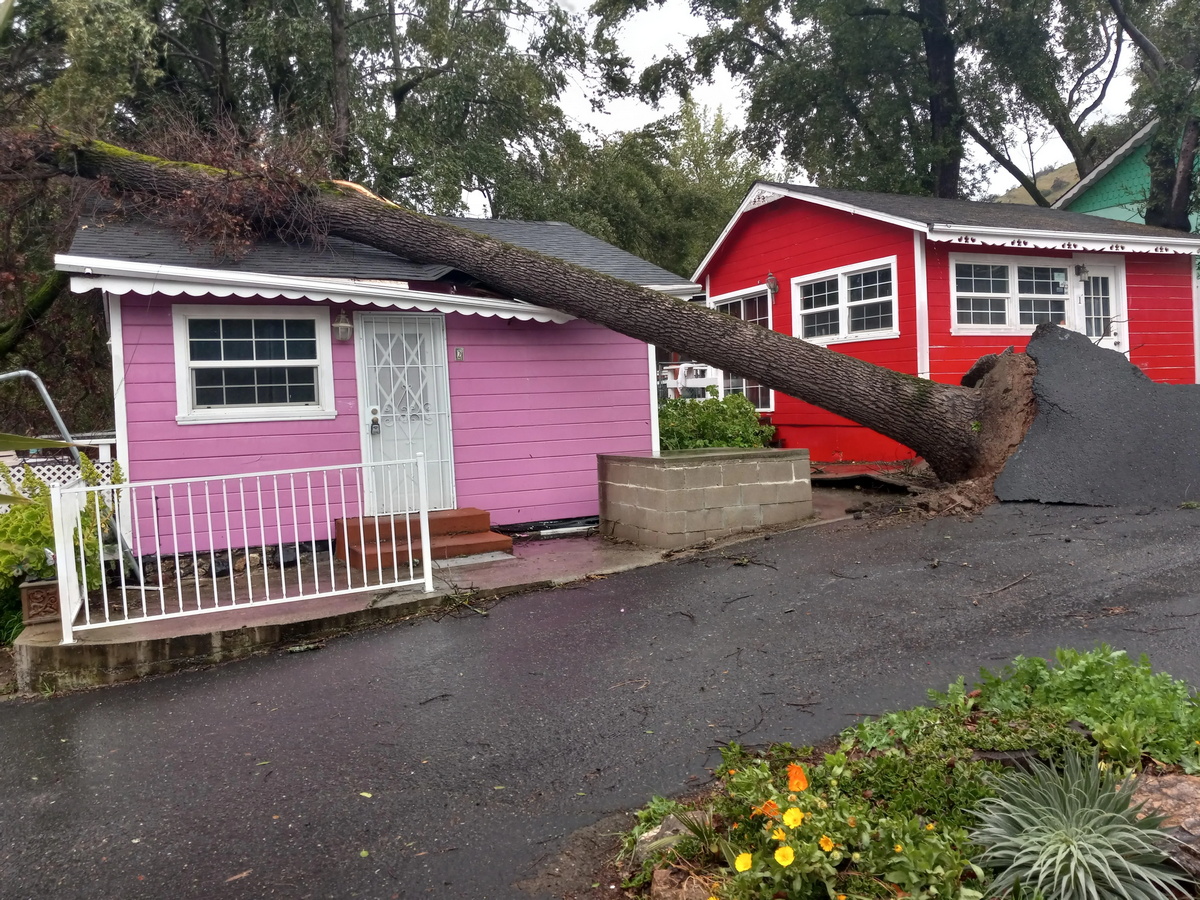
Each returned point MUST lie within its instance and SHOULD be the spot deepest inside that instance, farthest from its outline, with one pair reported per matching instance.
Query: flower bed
(895, 809)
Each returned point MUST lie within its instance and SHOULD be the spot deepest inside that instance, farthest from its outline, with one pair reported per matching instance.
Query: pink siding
(532, 404)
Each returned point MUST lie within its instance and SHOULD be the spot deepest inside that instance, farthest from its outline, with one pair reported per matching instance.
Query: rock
(676, 884)
(667, 827)
(1178, 798)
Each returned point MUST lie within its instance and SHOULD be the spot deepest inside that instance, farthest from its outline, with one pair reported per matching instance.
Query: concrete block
(702, 477)
(647, 497)
(683, 500)
(663, 478)
(766, 493)
(737, 471)
(785, 513)
(775, 470)
(701, 520)
(625, 532)
(741, 517)
(628, 514)
(621, 493)
(720, 497)
(667, 522)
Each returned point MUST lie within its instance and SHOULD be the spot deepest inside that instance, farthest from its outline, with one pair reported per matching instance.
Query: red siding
(791, 239)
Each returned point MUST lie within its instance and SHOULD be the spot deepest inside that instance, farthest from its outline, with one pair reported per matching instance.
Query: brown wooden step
(384, 555)
(467, 520)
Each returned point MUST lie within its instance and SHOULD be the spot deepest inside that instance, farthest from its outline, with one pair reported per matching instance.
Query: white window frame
(722, 299)
(1013, 324)
(842, 274)
(187, 414)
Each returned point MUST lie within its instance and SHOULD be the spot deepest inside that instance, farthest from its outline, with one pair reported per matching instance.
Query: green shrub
(27, 530)
(711, 422)
(1131, 709)
(1072, 835)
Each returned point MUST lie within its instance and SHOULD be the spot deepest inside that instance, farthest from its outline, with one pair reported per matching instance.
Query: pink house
(297, 357)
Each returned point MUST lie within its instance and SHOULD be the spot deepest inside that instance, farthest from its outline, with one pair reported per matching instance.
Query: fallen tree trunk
(959, 431)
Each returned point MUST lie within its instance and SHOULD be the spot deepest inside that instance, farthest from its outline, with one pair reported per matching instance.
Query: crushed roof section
(933, 211)
(135, 239)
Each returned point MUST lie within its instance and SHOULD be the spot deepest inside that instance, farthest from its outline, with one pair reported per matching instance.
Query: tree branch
(1152, 54)
(36, 306)
(1011, 167)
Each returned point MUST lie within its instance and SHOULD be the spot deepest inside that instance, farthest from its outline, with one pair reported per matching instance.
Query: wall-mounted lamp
(772, 284)
(342, 329)
(1081, 270)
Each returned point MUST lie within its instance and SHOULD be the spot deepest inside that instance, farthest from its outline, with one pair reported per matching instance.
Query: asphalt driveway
(484, 741)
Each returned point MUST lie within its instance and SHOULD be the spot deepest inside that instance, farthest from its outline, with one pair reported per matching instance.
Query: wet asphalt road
(484, 742)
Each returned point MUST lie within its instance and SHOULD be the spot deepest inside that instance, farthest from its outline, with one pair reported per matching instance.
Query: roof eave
(121, 277)
(1110, 162)
(1064, 240)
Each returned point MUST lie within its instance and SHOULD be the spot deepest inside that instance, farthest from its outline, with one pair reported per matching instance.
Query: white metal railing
(181, 547)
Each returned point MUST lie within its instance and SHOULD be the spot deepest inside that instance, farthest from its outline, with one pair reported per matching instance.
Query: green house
(1119, 186)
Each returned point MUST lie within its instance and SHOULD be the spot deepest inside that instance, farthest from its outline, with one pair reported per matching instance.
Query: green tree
(883, 95)
(663, 192)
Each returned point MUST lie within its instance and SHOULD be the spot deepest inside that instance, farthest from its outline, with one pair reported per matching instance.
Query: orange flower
(825, 843)
(797, 780)
(733, 771)
(852, 822)
(769, 809)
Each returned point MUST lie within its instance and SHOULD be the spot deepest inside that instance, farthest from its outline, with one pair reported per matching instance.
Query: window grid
(756, 310)
(983, 294)
(235, 362)
(860, 302)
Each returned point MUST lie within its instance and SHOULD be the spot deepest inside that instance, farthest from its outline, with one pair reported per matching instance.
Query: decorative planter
(39, 602)
(684, 497)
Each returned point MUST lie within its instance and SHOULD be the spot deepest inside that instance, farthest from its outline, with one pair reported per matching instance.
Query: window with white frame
(853, 302)
(252, 363)
(755, 308)
(1008, 294)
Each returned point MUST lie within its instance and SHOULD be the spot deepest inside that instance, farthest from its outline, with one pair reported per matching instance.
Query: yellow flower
(826, 843)
(785, 855)
(929, 827)
(779, 834)
(793, 817)
(899, 848)
(743, 862)
(840, 897)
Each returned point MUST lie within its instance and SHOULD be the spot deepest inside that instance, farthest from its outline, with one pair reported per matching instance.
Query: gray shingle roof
(133, 239)
(970, 213)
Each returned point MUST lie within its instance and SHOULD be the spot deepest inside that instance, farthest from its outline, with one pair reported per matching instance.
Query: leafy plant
(27, 529)
(711, 422)
(1073, 835)
(1131, 709)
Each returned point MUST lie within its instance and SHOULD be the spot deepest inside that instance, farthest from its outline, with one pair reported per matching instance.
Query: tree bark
(945, 107)
(940, 422)
(340, 88)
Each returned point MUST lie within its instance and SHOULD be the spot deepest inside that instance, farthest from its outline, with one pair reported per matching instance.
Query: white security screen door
(405, 407)
(1099, 311)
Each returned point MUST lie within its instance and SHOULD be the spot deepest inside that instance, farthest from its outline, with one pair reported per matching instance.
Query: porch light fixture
(342, 329)
(1081, 270)
(772, 284)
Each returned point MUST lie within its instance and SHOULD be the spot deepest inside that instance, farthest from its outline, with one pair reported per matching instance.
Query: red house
(927, 286)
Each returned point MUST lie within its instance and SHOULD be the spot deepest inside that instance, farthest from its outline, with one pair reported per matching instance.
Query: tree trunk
(340, 88)
(945, 108)
(942, 423)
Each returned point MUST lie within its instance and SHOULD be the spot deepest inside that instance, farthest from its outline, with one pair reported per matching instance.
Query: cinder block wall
(685, 497)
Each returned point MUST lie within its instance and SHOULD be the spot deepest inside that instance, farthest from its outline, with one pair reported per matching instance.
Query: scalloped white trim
(173, 281)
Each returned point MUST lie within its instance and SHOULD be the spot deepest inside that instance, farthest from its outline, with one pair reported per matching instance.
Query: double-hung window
(996, 294)
(851, 303)
(252, 363)
(753, 307)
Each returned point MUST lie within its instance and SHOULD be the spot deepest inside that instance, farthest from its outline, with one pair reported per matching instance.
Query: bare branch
(1009, 166)
(1153, 55)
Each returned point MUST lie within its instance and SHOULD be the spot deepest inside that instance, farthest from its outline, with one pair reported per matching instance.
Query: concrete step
(467, 520)
(384, 554)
